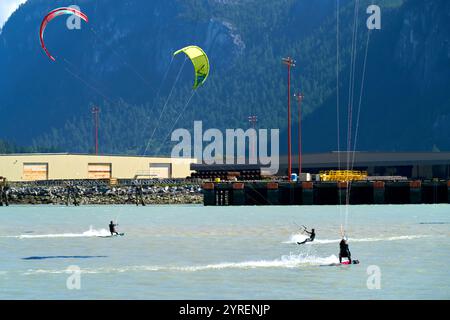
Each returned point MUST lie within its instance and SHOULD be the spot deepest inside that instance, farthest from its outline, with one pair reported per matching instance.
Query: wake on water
(87, 234)
(300, 238)
(287, 261)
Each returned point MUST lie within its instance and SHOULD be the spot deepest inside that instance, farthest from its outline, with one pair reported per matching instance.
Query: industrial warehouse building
(34, 167)
(411, 165)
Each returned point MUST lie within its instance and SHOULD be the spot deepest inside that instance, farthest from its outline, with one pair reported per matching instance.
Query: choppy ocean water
(196, 252)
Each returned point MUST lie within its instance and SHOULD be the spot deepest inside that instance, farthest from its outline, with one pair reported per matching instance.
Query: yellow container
(343, 175)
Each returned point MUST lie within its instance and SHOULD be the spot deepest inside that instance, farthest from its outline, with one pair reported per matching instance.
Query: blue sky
(7, 7)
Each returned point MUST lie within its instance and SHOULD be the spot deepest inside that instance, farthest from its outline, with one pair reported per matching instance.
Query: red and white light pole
(299, 97)
(290, 63)
(95, 112)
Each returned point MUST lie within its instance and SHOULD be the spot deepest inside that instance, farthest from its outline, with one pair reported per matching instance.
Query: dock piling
(68, 196)
(342, 188)
(251, 193)
(238, 197)
(209, 197)
(3, 192)
(378, 192)
(415, 192)
(448, 191)
(307, 193)
(272, 193)
(139, 195)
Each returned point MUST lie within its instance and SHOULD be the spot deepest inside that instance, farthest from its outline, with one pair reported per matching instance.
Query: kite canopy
(52, 15)
(200, 61)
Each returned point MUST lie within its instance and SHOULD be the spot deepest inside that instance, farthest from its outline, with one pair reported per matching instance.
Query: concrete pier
(325, 193)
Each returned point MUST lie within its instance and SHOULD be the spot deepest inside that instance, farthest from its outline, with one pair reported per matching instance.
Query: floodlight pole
(95, 112)
(290, 63)
(299, 97)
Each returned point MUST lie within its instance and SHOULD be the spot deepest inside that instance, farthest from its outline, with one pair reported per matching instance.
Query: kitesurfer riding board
(312, 236)
(344, 251)
(112, 228)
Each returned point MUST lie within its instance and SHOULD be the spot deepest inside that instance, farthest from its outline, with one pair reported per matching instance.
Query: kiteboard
(343, 263)
(113, 235)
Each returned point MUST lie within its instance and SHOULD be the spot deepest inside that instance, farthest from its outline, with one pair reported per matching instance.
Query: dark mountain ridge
(119, 59)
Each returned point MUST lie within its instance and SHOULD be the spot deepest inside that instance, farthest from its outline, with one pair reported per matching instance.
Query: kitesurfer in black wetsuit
(344, 251)
(312, 236)
(112, 228)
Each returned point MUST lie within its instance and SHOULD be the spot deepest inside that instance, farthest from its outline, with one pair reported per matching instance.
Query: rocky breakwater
(105, 195)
